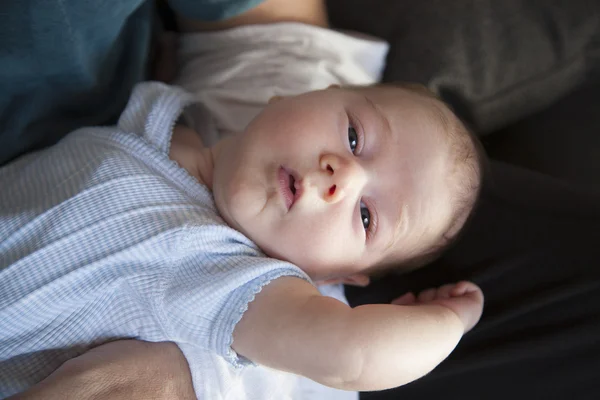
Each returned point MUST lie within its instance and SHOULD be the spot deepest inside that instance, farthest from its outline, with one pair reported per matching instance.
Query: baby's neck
(190, 153)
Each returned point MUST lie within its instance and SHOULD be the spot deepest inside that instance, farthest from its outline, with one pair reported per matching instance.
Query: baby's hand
(464, 298)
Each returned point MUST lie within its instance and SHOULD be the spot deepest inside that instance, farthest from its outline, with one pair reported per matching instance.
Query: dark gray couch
(525, 74)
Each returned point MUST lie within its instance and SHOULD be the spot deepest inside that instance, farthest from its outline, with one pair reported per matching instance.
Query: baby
(141, 230)
(342, 183)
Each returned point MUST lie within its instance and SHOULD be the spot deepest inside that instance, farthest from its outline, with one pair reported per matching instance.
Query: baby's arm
(291, 327)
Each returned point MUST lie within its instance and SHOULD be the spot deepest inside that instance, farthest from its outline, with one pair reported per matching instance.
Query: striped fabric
(104, 237)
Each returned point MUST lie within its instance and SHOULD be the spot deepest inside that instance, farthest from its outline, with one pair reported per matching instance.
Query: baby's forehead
(426, 129)
(419, 158)
(416, 96)
(414, 119)
(403, 104)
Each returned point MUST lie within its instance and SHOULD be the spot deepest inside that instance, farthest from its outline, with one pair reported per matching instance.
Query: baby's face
(338, 180)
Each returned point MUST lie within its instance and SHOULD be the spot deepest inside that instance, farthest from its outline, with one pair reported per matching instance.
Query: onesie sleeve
(209, 291)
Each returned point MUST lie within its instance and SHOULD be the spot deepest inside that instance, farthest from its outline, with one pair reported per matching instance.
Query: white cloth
(233, 74)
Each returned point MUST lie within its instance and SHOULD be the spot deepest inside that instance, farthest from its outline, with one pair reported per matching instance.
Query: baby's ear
(360, 280)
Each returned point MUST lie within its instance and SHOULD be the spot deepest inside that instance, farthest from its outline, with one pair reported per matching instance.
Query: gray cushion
(495, 60)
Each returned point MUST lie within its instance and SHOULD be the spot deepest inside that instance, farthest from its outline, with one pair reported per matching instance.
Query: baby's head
(345, 180)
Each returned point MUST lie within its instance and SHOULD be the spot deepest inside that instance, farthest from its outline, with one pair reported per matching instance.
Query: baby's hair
(469, 167)
(469, 164)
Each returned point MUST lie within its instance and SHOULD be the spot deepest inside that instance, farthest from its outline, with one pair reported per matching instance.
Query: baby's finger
(405, 299)
(445, 291)
(462, 288)
(427, 295)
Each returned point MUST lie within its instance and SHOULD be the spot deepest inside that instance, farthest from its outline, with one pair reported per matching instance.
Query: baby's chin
(233, 204)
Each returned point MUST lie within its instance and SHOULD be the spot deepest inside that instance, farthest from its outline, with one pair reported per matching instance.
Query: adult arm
(121, 370)
(290, 327)
(312, 12)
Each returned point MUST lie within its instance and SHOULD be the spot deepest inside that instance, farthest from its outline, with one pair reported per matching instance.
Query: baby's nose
(343, 176)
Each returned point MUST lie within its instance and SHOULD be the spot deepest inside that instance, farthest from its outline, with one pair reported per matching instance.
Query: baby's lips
(299, 186)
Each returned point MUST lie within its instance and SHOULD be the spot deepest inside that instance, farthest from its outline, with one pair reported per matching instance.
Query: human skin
(351, 153)
(120, 370)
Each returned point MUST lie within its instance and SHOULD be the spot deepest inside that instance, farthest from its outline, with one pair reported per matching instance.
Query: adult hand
(120, 370)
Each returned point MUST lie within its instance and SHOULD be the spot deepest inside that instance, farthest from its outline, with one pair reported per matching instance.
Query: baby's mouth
(292, 187)
(288, 186)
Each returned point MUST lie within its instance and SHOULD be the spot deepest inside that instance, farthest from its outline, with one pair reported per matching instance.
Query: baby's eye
(352, 138)
(365, 216)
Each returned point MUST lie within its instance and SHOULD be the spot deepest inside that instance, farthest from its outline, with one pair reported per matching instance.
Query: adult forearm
(311, 12)
(68, 382)
(122, 370)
